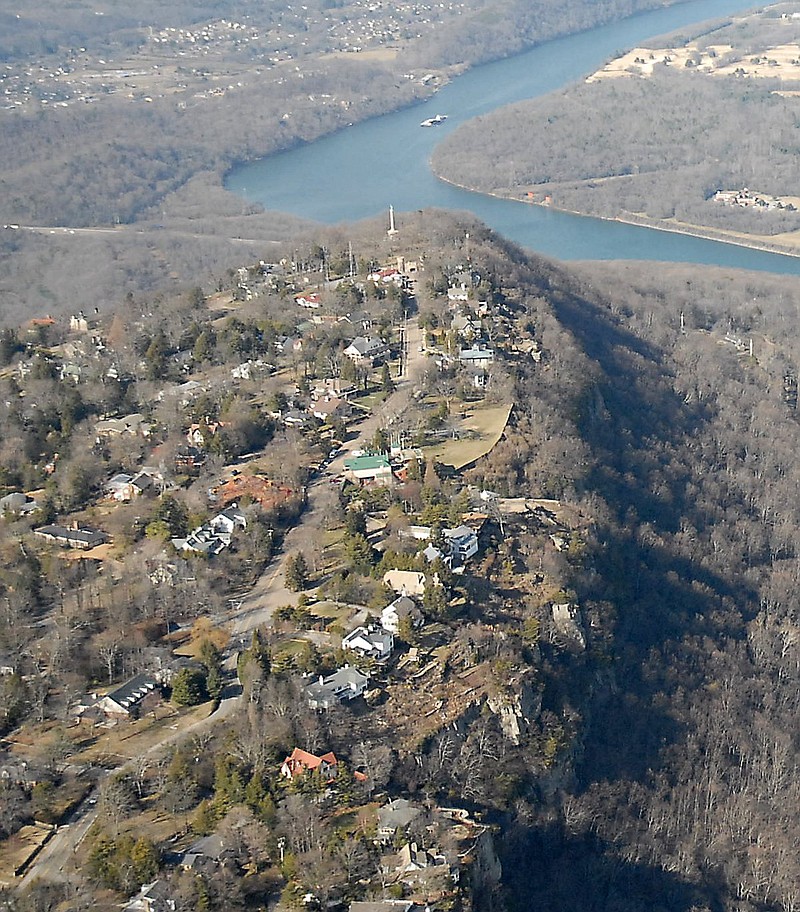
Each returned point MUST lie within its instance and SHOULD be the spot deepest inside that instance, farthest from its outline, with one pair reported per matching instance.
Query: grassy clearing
(130, 739)
(484, 425)
(330, 611)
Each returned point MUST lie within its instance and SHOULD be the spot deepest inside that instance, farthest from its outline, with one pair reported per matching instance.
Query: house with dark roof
(124, 487)
(370, 642)
(190, 458)
(396, 816)
(73, 536)
(401, 608)
(366, 350)
(124, 701)
(18, 503)
(229, 520)
(206, 854)
(346, 683)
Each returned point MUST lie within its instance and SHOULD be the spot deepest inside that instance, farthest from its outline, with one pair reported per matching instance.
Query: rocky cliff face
(517, 707)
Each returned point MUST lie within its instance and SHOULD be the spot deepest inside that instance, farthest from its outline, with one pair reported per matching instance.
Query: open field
(16, 852)
(481, 427)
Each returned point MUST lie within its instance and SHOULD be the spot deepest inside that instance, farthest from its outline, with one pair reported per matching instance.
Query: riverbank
(762, 243)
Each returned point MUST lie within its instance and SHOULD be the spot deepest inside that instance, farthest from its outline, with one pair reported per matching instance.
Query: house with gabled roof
(124, 487)
(207, 854)
(311, 300)
(18, 503)
(202, 431)
(369, 468)
(370, 642)
(330, 409)
(152, 897)
(135, 424)
(74, 536)
(346, 683)
(366, 350)
(397, 611)
(124, 701)
(462, 543)
(478, 354)
(334, 387)
(406, 582)
(395, 817)
(300, 762)
(229, 520)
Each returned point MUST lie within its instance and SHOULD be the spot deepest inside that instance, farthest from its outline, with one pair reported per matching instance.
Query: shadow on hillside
(670, 603)
(553, 871)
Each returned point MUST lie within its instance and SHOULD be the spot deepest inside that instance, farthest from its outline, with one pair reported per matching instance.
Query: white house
(344, 684)
(311, 300)
(228, 521)
(479, 354)
(397, 611)
(370, 642)
(123, 487)
(125, 700)
(462, 543)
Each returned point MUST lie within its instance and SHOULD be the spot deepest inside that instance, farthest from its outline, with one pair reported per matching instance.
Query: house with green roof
(369, 469)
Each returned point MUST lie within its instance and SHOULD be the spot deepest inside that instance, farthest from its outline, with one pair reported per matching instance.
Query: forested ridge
(686, 780)
(146, 148)
(656, 763)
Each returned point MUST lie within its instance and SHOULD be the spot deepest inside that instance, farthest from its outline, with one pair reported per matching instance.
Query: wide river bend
(361, 170)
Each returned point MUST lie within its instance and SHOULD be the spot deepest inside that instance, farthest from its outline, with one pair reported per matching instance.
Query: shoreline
(685, 228)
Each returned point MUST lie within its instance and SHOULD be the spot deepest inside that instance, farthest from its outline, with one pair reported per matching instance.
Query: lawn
(480, 428)
(131, 739)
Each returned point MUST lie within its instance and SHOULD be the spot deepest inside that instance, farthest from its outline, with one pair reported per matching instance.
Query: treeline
(114, 160)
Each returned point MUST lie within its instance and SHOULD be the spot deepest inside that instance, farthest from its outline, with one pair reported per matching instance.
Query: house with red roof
(308, 299)
(300, 762)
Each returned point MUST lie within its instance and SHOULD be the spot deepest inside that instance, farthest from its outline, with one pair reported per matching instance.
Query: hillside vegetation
(609, 684)
(111, 118)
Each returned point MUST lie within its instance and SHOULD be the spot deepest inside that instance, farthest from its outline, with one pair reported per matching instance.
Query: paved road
(269, 592)
(56, 859)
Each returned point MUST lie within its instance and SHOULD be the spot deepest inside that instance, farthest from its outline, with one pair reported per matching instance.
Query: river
(359, 171)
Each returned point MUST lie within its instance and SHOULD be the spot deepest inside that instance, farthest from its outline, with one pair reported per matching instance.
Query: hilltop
(263, 642)
(126, 125)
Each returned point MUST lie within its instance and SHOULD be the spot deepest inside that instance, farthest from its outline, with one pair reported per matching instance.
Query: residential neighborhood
(312, 552)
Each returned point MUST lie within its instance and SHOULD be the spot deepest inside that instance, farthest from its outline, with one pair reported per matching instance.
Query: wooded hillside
(108, 116)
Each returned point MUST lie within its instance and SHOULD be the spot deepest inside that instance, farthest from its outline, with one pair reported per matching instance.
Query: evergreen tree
(296, 572)
(189, 687)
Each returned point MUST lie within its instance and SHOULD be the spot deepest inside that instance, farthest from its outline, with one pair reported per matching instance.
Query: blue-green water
(358, 172)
